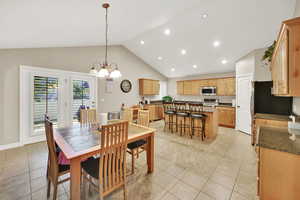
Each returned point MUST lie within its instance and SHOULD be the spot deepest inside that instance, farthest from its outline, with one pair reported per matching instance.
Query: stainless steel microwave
(209, 91)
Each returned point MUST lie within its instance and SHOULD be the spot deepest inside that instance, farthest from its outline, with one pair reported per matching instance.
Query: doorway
(243, 103)
(59, 94)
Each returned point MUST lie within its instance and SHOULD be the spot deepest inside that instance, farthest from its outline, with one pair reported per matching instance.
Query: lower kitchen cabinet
(257, 122)
(226, 116)
(278, 175)
(156, 111)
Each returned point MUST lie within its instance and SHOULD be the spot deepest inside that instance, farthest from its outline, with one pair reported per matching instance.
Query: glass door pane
(81, 97)
(45, 100)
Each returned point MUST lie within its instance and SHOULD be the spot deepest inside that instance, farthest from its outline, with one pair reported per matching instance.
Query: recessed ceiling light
(216, 43)
(204, 16)
(167, 31)
(159, 58)
(224, 61)
(172, 69)
(195, 66)
(142, 42)
(183, 51)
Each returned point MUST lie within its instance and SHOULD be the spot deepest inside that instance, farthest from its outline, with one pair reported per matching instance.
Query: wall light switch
(102, 100)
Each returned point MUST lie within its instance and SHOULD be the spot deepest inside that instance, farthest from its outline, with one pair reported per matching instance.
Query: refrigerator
(265, 102)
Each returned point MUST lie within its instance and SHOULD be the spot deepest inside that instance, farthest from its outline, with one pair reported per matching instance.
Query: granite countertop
(278, 139)
(225, 105)
(274, 117)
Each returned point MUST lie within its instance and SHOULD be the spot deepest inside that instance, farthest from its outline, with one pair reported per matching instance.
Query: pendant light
(106, 70)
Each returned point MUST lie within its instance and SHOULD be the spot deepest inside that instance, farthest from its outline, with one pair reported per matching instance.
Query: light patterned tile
(184, 191)
(216, 191)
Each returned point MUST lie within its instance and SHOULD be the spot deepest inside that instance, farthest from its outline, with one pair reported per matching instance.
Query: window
(45, 100)
(81, 97)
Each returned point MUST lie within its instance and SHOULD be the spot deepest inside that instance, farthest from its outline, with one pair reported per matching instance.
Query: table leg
(150, 153)
(75, 182)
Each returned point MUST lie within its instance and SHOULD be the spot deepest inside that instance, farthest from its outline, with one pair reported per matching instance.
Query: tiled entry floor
(185, 169)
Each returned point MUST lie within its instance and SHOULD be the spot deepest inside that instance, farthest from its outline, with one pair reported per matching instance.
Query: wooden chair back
(180, 106)
(112, 166)
(195, 107)
(143, 118)
(168, 106)
(128, 114)
(52, 156)
(88, 116)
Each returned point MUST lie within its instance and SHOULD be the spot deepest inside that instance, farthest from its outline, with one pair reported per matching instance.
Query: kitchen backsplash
(222, 99)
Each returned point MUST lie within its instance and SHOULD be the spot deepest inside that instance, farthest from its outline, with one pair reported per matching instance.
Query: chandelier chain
(106, 33)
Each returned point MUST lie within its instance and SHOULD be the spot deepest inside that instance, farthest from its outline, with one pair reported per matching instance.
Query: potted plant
(267, 57)
(167, 99)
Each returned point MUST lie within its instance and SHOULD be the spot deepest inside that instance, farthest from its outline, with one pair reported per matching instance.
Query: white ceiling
(240, 26)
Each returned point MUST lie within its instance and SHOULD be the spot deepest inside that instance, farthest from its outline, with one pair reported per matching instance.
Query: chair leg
(48, 188)
(125, 191)
(191, 128)
(83, 178)
(132, 161)
(55, 189)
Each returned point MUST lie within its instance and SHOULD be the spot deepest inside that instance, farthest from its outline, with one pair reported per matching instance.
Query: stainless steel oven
(209, 91)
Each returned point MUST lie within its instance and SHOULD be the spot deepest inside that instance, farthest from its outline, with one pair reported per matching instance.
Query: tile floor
(185, 169)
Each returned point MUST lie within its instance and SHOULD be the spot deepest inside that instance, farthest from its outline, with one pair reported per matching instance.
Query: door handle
(238, 106)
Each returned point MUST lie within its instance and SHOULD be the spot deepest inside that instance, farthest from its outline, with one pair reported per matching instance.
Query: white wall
(297, 99)
(172, 86)
(70, 59)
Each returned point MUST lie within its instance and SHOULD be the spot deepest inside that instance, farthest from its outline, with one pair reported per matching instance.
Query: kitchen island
(211, 124)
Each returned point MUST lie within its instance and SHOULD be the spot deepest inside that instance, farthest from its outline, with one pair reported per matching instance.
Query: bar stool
(196, 113)
(169, 112)
(182, 115)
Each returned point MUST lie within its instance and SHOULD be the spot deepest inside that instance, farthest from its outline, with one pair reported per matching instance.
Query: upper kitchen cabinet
(180, 87)
(149, 87)
(226, 87)
(187, 87)
(285, 63)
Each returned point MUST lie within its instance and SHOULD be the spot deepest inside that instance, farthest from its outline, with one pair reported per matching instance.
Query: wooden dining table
(79, 143)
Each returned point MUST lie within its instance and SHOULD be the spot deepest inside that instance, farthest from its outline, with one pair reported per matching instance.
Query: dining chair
(110, 168)
(88, 116)
(54, 169)
(127, 114)
(137, 147)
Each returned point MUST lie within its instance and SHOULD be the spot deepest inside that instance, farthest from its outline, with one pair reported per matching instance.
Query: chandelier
(105, 70)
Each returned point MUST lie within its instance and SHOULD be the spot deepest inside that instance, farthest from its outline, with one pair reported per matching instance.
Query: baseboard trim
(10, 146)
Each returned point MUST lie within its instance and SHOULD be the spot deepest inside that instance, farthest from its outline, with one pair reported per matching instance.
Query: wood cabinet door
(226, 116)
(156, 87)
(195, 87)
(187, 87)
(179, 87)
(147, 87)
(221, 87)
(231, 87)
(279, 65)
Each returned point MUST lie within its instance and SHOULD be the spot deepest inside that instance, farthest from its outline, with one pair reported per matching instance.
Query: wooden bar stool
(182, 115)
(196, 113)
(169, 111)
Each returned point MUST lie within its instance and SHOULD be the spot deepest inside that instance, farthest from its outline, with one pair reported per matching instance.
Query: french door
(59, 94)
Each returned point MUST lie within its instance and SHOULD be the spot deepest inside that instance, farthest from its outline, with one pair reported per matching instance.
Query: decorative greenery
(167, 98)
(269, 53)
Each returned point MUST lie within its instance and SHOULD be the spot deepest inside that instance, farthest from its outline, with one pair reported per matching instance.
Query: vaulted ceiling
(194, 25)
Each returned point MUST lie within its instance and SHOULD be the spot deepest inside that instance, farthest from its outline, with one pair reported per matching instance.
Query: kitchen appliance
(208, 91)
(210, 102)
(266, 102)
